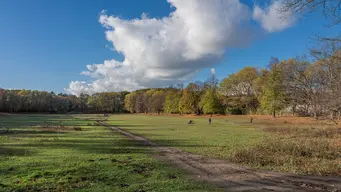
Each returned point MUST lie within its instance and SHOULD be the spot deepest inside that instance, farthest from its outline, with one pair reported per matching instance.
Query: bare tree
(306, 84)
(330, 62)
(331, 9)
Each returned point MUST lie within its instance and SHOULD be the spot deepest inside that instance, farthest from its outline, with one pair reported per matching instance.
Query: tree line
(294, 86)
(16, 101)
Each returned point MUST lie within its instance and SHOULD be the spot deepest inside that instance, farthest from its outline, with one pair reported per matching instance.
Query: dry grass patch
(315, 151)
(326, 132)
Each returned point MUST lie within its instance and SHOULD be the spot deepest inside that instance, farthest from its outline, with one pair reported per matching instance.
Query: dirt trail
(232, 177)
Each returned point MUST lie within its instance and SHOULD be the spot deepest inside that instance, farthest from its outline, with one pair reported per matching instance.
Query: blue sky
(45, 45)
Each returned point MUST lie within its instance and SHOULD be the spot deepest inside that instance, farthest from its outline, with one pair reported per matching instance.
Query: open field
(297, 145)
(81, 153)
(220, 139)
(64, 153)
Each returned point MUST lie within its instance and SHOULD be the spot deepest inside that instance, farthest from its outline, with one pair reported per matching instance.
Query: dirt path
(232, 177)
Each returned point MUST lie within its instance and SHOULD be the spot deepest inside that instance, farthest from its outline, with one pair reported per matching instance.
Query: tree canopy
(296, 86)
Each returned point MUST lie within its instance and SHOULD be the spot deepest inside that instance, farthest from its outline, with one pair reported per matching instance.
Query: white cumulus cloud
(272, 19)
(162, 51)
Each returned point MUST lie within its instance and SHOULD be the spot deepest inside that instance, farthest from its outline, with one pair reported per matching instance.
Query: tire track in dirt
(232, 177)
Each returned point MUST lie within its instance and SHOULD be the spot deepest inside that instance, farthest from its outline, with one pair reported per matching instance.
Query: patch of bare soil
(232, 177)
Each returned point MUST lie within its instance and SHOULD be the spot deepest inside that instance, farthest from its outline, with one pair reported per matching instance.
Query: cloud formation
(272, 19)
(169, 50)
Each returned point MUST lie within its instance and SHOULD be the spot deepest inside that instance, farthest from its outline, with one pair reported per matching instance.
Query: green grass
(45, 153)
(287, 144)
(221, 139)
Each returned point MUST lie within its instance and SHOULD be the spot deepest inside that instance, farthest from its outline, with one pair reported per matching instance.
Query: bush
(234, 111)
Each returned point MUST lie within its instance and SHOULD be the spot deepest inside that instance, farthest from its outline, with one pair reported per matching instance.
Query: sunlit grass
(219, 140)
(34, 158)
(289, 144)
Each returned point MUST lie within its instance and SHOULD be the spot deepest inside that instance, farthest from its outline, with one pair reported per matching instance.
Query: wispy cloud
(272, 19)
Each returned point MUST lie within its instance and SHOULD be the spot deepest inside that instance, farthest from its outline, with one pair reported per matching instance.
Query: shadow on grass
(33, 133)
(88, 141)
(31, 120)
(128, 125)
(105, 145)
(147, 131)
(101, 145)
(8, 151)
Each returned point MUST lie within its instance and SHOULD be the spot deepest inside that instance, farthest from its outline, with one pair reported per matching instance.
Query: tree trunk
(274, 113)
(315, 112)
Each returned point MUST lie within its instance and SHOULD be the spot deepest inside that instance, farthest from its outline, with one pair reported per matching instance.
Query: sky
(112, 45)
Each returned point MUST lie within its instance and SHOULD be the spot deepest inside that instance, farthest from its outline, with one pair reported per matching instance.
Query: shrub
(234, 111)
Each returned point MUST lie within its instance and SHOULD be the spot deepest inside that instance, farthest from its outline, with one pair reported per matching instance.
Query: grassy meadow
(71, 153)
(290, 144)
